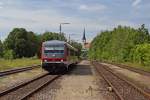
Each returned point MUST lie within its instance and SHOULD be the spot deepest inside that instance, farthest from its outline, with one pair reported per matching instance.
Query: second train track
(17, 70)
(26, 89)
(124, 89)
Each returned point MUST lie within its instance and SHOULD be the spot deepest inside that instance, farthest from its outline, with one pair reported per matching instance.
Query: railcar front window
(54, 51)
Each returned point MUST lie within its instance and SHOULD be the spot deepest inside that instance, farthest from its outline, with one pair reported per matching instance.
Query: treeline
(22, 43)
(122, 44)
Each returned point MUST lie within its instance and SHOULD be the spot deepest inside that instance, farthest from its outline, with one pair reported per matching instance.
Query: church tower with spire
(84, 38)
(86, 45)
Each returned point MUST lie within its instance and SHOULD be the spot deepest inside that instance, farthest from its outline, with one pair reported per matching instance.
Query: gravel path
(82, 83)
(141, 79)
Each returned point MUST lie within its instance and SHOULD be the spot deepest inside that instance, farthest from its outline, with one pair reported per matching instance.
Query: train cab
(57, 54)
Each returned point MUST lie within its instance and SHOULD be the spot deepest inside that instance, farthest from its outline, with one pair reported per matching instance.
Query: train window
(59, 48)
(54, 51)
(49, 48)
(54, 47)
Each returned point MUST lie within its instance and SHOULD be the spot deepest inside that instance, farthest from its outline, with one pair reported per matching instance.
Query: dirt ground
(11, 80)
(82, 83)
(143, 80)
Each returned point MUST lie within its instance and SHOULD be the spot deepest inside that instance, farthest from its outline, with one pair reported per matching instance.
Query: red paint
(53, 59)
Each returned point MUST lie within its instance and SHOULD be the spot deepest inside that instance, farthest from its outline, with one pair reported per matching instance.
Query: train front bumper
(54, 64)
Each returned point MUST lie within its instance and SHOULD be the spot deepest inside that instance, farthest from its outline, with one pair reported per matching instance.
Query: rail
(124, 89)
(17, 70)
(28, 88)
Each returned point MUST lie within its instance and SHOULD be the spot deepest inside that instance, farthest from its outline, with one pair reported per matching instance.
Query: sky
(95, 15)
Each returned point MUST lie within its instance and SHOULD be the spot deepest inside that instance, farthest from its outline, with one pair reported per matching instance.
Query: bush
(141, 54)
(8, 54)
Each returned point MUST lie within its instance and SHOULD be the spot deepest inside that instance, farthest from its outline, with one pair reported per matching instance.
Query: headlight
(61, 60)
(45, 60)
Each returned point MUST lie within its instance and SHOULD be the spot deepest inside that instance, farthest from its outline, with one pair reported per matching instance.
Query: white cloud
(43, 20)
(136, 3)
(97, 7)
(125, 23)
(40, 20)
(1, 5)
(83, 7)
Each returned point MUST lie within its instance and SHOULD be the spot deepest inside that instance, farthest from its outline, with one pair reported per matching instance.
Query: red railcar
(58, 55)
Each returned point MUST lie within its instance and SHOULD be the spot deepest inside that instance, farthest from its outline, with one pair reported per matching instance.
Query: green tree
(33, 43)
(1, 49)
(53, 36)
(141, 54)
(39, 44)
(77, 46)
(143, 34)
(8, 54)
(117, 45)
(23, 43)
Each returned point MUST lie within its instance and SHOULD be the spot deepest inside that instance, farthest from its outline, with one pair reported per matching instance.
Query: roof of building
(87, 45)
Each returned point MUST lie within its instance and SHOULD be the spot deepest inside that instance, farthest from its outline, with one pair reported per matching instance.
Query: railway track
(124, 89)
(17, 70)
(26, 89)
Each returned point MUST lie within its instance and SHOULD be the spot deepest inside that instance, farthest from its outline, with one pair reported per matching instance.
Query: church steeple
(84, 38)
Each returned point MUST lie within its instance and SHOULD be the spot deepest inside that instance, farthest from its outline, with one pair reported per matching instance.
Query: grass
(139, 66)
(134, 65)
(17, 63)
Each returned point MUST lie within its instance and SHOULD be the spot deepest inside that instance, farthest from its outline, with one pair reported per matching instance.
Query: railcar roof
(57, 42)
(54, 42)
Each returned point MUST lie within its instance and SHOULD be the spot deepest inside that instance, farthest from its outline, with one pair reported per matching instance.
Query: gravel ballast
(82, 83)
